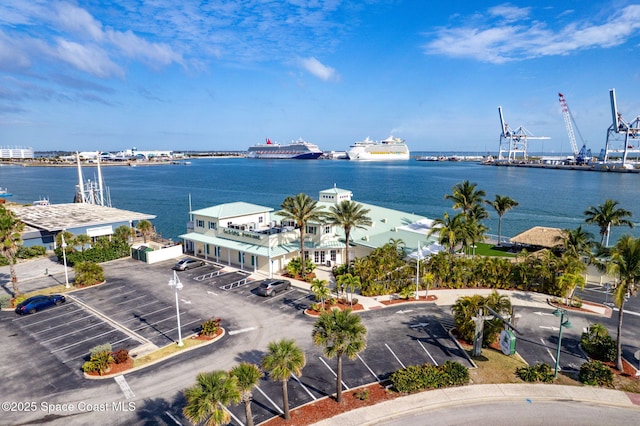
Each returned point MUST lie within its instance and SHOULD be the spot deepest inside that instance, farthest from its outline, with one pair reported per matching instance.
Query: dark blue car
(38, 303)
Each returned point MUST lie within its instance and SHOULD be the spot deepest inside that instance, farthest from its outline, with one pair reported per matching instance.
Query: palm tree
(501, 205)
(625, 265)
(10, 238)
(248, 376)
(145, 227)
(340, 333)
(320, 290)
(208, 397)
(301, 209)
(82, 240)
(605, 216)
(577, 242)
(465, 196)
(350, 283)
(123, 233)
(283, 359)
(449, 230)
(349, 215)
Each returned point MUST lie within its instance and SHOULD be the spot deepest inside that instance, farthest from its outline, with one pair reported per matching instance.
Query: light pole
(560, 313)
(64, 259)
(418, 273)
(177, 286)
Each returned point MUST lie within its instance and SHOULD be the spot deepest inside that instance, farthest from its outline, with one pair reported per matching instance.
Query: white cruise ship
(390, 149)
(297, 150)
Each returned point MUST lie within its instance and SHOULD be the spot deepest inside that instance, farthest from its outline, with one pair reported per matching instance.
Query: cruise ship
(296, 150)
(386, 150)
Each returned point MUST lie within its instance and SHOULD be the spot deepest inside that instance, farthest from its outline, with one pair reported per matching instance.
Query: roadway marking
(546, 327)
(303, 386)
(122, 382)
(277, 296)
(71, 332)
(425, 349)
(242, 330)
(627, 312)
(404, 312)
(211, 292)
(542, 313)
(173, 418)
(395, 356)
(368, 368)
(84, 340)
(188, 302)
(419, 325)
(270, 400)
(333, 372)
(232, 415)
(549, 352)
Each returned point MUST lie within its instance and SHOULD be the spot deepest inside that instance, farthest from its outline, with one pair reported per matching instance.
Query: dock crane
(582, 156)
(514, 142)
(622, 132)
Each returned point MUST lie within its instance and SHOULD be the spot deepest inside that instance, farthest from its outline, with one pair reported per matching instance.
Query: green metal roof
(227, 210)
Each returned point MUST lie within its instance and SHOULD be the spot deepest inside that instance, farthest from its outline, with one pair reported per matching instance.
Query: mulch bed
(341, 306)
(203, 337)
(429, 298)
(116, 368)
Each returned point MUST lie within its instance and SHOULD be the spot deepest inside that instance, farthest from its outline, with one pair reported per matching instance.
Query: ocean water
(556, 198)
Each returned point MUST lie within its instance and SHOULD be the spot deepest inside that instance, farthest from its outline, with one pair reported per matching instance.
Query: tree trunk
(619, 365)
(14, 278)
(346, 250)
(499, 231)
(302, 233)
(285, 400)
(247, 412)
(339, 380)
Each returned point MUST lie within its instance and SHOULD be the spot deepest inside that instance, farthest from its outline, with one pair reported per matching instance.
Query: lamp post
(560, 313)
(64, 259)
(418, 273)
(177, 286)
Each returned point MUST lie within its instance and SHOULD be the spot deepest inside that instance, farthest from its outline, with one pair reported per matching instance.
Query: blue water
(556, 198)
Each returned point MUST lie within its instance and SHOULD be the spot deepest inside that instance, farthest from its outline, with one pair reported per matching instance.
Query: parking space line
(173, 418)
(149, 313)
(85, 354)
(232, 415)
(395, 356)
(333, 372)
(186, 323)
(47, 319)
(277, 296)
(48, 330)
(270, 400)
(152, 324)
(147, 304)
(425, 349)
(71, 332)
(549, 352)
(124, 386)
(368, 368)
(82, 341)
(304, 387)
(131, 300)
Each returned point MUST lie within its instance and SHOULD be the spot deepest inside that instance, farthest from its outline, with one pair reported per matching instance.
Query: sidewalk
(479, 394)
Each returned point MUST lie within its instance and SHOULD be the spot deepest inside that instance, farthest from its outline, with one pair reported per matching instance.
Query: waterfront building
(10, 153)
(255, 238)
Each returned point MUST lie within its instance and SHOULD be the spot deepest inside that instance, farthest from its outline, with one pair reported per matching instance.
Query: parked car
(271, 287)
(187, 263)
(38, 303)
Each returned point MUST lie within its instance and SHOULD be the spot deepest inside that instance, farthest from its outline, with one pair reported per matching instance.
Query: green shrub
(595, 373)
(598, 344)
(540, 372)
(406, 292)
(30, 252)
(419, 377)
(210, 327)
(88, 274)
(362, 395)
(100, 360)
(5, 301)
(576, 302)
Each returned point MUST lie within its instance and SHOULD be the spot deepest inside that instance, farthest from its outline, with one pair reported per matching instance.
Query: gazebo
(540, 236)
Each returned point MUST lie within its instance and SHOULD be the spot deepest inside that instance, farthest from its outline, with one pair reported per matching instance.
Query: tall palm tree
(301, 209)
(465, 196)
(145, 227)
(340, 333)
(501, 205)
(208, 397)
(123, 233)
(349, 215)
(248, 376)
(449, 230)
(320, 290)
(605, 216)
(625, 265)
(82, 240)
(283, 359)
(10, 239)
(577, 242)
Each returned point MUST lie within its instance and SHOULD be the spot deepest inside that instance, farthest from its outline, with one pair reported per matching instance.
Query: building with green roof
(255, 238)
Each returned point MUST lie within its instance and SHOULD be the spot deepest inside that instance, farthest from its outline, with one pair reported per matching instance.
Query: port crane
(514, 142)
(582, 156)
(622, 137)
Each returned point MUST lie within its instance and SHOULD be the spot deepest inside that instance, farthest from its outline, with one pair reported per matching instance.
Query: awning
(255, 249)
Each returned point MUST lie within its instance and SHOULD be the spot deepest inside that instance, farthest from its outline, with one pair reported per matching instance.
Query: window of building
(311, 230)
(327, 229)
(200, 223)
(241, 257)
(260, 219)
(212, 225)
(334, 255)
(229, 224)
(306, 254)
(319, 257)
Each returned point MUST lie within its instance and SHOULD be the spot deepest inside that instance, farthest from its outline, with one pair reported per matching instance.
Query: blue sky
(223, 75)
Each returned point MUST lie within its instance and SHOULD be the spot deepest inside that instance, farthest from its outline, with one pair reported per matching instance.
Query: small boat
(4, 192)
(42, 202)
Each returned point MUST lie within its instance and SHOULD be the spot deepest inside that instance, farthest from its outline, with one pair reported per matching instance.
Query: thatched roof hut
(540, 236)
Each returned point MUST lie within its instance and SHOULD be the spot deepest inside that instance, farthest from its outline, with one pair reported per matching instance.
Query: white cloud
(316, 68)
(90, 59)
(506, 40)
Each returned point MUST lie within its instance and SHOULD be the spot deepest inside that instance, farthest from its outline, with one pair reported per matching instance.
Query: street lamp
(177, 285)
(560, 313)
(64, 258)
(418, 273)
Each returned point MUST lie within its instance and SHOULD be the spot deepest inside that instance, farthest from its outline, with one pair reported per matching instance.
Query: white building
(13, 153)
(255, 238)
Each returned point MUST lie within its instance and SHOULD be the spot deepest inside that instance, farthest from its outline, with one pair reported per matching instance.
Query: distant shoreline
(181, 162)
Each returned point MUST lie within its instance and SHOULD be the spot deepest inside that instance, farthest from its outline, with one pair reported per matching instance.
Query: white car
(187, 263)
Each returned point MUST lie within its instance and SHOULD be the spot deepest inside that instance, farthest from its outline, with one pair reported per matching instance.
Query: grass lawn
(484, 249)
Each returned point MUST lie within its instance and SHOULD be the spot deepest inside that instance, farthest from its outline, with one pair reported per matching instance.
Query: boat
(296, 150)
(4, 192)
(390, 149)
